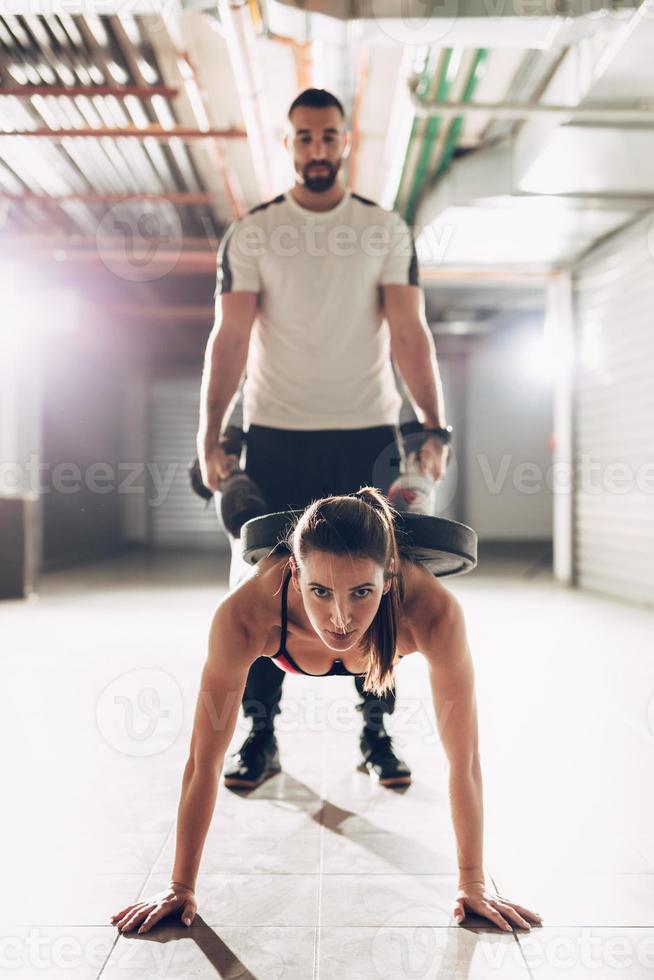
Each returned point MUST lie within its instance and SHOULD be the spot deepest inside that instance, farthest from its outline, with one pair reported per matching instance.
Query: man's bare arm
(414, 351)
(224, 364)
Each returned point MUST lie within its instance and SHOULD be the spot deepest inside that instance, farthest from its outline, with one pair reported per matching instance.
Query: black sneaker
(379, 759)
(256, 760)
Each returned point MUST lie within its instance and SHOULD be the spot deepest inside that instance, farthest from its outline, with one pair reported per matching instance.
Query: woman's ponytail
(381, 636)
(360, 524)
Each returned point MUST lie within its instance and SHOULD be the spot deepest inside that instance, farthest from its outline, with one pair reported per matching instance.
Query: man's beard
(316, 181)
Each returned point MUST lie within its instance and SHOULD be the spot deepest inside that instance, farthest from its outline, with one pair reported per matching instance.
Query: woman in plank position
(355, 596)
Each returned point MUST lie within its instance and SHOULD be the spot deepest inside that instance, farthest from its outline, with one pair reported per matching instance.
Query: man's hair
(316, 98)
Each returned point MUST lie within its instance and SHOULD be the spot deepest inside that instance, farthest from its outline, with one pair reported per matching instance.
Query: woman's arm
(441, 637)
(221, 689)
(232, 649)
(451, 674)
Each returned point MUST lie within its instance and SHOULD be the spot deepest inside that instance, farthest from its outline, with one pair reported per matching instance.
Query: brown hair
(360, 525)
(316, 98)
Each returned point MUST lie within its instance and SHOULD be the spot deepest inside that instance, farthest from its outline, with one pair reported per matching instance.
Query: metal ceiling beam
(201, 315)
(198, 257)
(412, 12)
(45, 241)
(119, 91)
(192, 257)
(156, 132)
(495, 274)
(178, 197)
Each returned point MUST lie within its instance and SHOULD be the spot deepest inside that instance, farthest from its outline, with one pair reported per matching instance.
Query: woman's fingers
(528, 914)
(510, 913)
(154, 916)
(122, 912)
(149, 915)
(483, 907)
(134, 919)
(491, 913)
(145, 914)
(503, 913)
(127, 914)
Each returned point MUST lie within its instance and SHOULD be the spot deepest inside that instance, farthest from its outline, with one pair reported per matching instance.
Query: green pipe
(422, 88)
(430, 133)
(455, 129)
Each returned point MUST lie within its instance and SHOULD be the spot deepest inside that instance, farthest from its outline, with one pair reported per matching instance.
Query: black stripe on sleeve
(413, 265)
(224, 278)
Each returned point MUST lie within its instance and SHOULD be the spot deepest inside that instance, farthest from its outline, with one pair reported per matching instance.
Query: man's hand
(216, 465)
(432, 457)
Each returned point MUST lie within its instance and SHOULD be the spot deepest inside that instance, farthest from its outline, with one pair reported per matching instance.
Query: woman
(355, 596)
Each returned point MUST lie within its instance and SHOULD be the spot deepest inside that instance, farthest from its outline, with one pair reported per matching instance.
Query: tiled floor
(320, 873)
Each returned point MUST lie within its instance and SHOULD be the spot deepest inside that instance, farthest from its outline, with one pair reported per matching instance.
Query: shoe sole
(391, 781)
(233, 783)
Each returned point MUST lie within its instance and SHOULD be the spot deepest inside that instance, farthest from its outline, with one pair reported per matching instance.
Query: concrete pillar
(559, 332)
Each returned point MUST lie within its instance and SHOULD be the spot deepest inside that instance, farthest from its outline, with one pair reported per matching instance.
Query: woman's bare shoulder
(253, 603)
(424, 595)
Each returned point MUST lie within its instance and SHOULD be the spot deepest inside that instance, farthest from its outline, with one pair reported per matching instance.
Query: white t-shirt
(319, 355)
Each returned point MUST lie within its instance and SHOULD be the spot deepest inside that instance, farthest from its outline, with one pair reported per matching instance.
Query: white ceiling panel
(499, 236)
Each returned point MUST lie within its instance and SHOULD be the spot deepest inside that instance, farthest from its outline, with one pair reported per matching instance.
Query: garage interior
(517, 142)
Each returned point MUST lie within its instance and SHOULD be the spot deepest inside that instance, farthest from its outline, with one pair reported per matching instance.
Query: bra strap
(282, 645)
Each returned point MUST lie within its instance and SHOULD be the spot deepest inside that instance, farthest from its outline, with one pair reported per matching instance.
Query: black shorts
(293, 467)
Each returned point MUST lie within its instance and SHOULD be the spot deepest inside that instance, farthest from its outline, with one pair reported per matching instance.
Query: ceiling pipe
(303, 57)
(598, 114)
(429, 127)
(428, 77)
(475, 71)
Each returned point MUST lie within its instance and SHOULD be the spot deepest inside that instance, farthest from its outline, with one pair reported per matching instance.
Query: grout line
(514, 933)
(109, 954)
(147, 879)
(524, 958)
(161, 850)
(321, 840)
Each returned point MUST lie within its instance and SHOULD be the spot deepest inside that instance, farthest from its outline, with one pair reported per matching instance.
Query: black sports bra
(284, 660)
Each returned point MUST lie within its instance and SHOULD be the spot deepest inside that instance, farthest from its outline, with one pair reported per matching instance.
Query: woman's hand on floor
(148, 912)
(474, 897)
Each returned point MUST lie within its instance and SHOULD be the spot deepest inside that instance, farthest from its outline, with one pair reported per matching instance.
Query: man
(305, 284)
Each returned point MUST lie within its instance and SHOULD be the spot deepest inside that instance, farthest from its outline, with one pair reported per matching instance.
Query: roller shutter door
(178, 518)
(614, 417)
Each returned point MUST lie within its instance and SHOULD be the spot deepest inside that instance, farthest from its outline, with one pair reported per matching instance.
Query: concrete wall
(508, 396)
(82, 395)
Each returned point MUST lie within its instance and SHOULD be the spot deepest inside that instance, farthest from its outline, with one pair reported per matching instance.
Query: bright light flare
(32, 310)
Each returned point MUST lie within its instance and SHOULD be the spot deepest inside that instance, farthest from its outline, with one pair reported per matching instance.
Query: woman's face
(341, 595)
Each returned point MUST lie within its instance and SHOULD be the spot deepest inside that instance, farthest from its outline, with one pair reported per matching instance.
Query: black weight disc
(444, 547)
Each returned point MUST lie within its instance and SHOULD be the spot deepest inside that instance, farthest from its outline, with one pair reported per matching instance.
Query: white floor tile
(322, 872)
